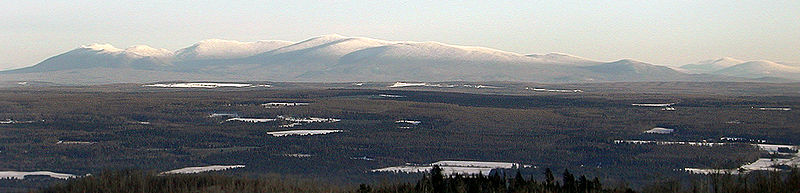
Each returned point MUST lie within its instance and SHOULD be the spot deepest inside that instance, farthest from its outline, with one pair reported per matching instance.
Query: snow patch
(453, 167)
(302, 132)
(409, 122)
(554, 90)
(250, 120)
(659, 130)
(200, 85)
(21, 175)
(192, 170)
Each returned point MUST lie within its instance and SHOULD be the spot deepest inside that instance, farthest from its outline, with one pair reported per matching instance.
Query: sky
(673, 32)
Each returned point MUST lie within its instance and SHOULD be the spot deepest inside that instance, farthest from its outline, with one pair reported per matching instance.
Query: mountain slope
(761, 69)
(105, 56)
(708, 66)
(333, 58)
(632, 70)
(226, 49)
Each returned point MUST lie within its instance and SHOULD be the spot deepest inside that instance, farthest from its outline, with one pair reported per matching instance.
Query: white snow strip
(302, 132)
(405, 84)
(192, 170)
(199, 85)
(774, 108)
(76, 142)
(711, 171)
(297, 155)
(11, 121)
(277, 104)
(553, 90)
(659, 130)
(250, 120)
(390, 96)
(21, 175)
(309, 120)
(653, 104)
(223, 115)
(409, 122)
(669, 143)
(452, 167)
(290, 125)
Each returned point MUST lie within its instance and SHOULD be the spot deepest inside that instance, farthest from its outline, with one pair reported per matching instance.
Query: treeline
(436, 182)
(136, 181)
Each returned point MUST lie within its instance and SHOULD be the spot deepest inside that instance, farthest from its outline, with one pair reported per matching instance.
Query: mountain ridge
(335, 58)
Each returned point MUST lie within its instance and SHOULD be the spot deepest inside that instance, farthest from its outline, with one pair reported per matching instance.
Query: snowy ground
(423, 84)
(309, 119)
(192, 170)
(710, 144)
(223, 115)
(453, 167)
(553, 90)
(250, 120)
(203, 85)
(302, 132)
(76, 142)
(659, 130)
(653, 104)
(390, 96)
(774, 108)
(413, 122)
(11, 121)
(282, 104)
(21, 175)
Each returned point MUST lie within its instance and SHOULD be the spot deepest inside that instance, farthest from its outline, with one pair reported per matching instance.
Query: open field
(84, 130)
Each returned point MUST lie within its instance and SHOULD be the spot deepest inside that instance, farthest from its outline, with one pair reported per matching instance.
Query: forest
(88, 130)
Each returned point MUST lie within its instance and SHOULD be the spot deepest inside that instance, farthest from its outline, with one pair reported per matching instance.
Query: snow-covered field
(762, 164)
(223, 115)
(390, 96)
(21, 175)
(660, 130)
(297, 155)
(204, 85)
(774, 108)
(710, 144)
(302, 132)
(423, 84)
(553, 90)
(192, 170)
(363, 158)
(453, 167)
(290, 125)
(405, 84)
(250, 120)
(739, 139)
(76, 142)
(653, 104)
(282, 104)
(309, 119)
(11, 121)
(413, 122)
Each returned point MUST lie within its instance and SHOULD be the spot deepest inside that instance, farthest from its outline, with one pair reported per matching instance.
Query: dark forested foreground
(597, 132)
(434, 182)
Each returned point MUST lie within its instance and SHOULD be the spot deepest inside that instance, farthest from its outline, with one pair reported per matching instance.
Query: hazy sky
(662, 32)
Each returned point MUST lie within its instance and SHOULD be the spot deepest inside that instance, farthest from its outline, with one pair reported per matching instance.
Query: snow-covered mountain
(746, 69)
(708, 66)
(332, 58)
(226, 49)
(761, 69)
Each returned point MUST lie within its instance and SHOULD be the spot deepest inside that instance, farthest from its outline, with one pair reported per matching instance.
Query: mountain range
(336, 58)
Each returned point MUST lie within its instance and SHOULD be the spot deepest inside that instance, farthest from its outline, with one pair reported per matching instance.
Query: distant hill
(758, 70)
(335, 58)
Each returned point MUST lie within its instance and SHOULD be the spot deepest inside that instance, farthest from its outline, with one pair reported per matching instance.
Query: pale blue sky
(662, 32)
